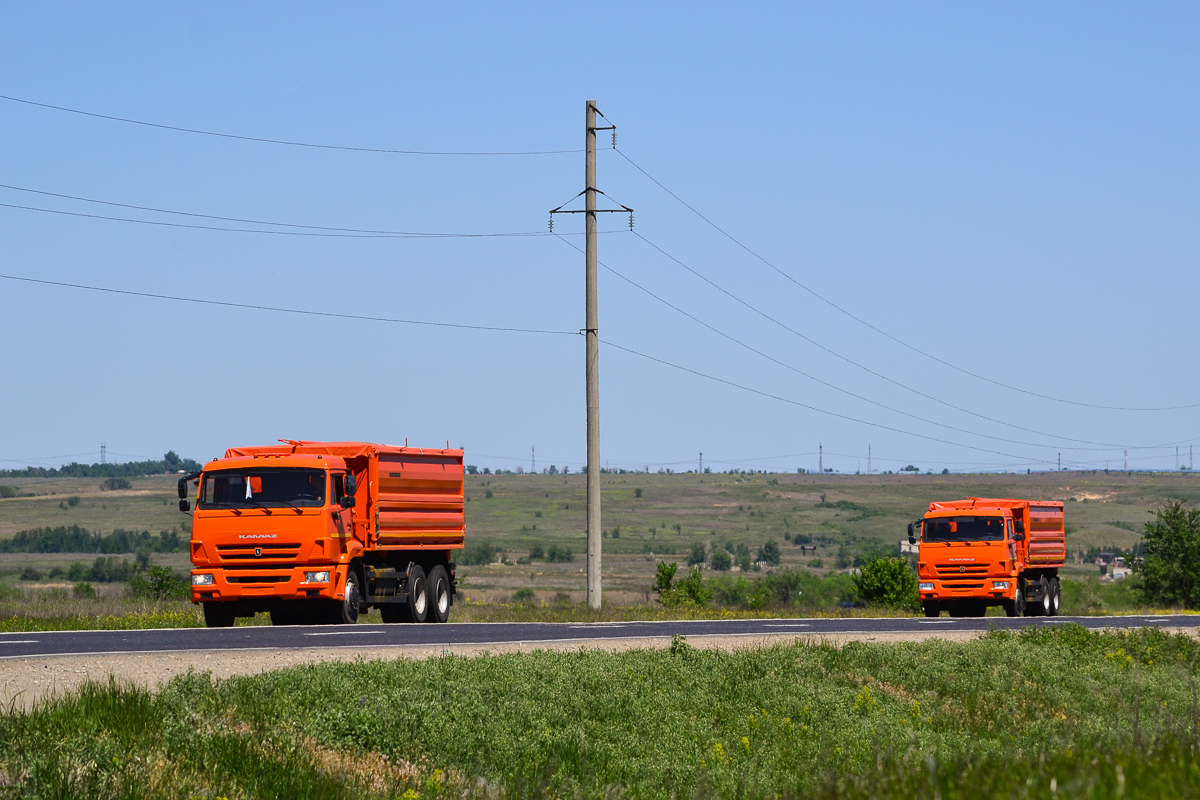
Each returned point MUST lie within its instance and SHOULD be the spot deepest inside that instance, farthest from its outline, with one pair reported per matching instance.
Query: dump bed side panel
(1047, 536)
(420, 500)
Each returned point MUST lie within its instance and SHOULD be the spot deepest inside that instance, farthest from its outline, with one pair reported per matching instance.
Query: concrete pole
(593, 370)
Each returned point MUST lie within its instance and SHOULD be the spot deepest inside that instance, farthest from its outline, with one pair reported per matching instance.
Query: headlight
(205, 579)
(316, 577)
(999, 584)
(925, 587)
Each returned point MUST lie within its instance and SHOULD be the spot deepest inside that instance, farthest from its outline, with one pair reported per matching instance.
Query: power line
(263, 140)
(281, 310)
(358, 231)
(789, 329)
(277, 233)
(789, 401)
(884, 333)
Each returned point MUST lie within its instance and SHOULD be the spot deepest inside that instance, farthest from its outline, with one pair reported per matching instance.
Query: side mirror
(348, 501)
(351, 484)
(185, 506)
(910, 530)
(182, 487)
(912, 540)
(1018, 537)
(1019, 525)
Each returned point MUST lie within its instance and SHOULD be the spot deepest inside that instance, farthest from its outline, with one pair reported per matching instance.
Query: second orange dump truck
(316, 532)
(982, 552)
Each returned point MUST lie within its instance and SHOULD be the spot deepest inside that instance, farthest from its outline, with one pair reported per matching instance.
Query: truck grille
(257, 578)
(245, 552)
(961, 571)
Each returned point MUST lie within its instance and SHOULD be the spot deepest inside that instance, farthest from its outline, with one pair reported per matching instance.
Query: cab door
(342, 519)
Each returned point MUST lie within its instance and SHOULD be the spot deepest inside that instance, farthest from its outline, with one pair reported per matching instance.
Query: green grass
(1059, 712)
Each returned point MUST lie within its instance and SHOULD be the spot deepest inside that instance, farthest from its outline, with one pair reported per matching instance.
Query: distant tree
(471, 469)
(72, 501)
(910, 468)
(1170, 563)
(721, 560)
(769, 553)
(697, 556)
(742, 556)
(537, 552)
(113, 484)
(553, 470)
(637, 492)
(31, 574)
(523, 596)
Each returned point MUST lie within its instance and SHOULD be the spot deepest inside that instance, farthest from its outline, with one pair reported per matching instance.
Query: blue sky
(1011, 189)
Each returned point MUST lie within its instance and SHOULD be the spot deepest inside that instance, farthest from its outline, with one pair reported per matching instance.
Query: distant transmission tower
(701, 463)
(1060, 462)
(868, 459)
(103, 453)
(1127, 461)
(533, 460)
(821, 459)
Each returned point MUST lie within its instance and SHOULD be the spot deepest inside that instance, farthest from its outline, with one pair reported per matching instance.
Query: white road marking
(342, 633)
(936, 621)
(19, 641)
(586, 625)
(788, 625)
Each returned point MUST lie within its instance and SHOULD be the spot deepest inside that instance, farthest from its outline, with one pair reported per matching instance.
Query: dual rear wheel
(427, 598)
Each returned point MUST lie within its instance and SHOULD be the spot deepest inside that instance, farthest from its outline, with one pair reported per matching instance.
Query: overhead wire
(289, 143)
(882, 332)
(281, 310)
(881, 376)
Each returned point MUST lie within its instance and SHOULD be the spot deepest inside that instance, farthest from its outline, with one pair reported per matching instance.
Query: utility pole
(1127, 461)
(533, 459)
(1060, 462)
(702, 463)
(821, 459)
(1177, 461)
(592, 345)
(103, 453)
(868, 459)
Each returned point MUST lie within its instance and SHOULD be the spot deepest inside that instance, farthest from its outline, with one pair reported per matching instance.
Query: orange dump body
(269, 519)
(978, 552)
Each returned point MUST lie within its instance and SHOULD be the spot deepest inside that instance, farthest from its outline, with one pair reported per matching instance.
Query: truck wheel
(1016, 606)
(1055, 597)
(348, 608)
(932, 609)
(439, 595)
(218, 615)
(417, 607)
(1044, 606)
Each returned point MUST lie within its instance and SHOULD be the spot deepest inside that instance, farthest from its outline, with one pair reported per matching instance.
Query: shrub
(1170, 564)
(31, 574)
(524, 596)
(697, 556)
(721, 560)
(9, 491)
(113, 484)
(637, 492)
(769, 553)
(536, 552)
(479, 555)
(72, 501)
(887, 581)
(84, 591)
(816, 563)
(488, 494)
(559, 555)
(158, 583)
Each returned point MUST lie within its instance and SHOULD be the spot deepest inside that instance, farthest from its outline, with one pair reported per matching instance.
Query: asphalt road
(58, 643)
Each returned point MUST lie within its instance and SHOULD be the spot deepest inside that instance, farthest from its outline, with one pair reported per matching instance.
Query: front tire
(417, 592)
(218, 615)
(931, 609)
(439, 595)
(1016, 606)
(348, 609)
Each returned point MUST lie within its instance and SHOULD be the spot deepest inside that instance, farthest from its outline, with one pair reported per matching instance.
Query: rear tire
(439, 595)
(417, 591)
(1055, 597)
(218, 615)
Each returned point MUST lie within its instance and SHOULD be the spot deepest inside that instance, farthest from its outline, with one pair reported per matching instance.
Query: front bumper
(995, 588)
(266, 582)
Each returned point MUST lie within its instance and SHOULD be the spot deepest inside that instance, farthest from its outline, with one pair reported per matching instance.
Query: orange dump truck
(982, 552)
(318, 532)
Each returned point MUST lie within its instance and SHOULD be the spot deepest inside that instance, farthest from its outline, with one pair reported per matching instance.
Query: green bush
(524, 595)
(697, 555)
(769, 553)
(1169, 567)
(113, 484)
(158, 583)
(887, 582)
(480, 554)
(559, 555)
(721, 560)
(536, 552)
(84, 591)
(31, 574)
(72, 501)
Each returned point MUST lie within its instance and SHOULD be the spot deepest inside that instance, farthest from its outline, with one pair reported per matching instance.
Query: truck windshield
(964, 529)
(263, 488)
